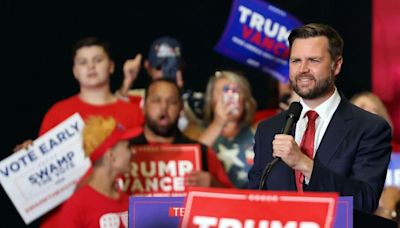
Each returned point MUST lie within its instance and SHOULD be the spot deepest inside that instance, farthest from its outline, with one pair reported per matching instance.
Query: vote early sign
(41, 177)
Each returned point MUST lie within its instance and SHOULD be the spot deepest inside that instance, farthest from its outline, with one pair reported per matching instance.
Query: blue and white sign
(149, 212)
(256, 35)
(41, 177)
(393, 172)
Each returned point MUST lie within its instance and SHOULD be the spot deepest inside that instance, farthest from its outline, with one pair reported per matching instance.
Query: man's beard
(163, 131)
(320, 89)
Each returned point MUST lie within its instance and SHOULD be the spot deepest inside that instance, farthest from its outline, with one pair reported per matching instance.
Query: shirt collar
(326, 109)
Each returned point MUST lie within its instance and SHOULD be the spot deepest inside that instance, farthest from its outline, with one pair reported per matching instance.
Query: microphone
(292, 117)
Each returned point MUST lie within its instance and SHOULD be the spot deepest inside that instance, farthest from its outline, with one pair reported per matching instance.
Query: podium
(211, 207)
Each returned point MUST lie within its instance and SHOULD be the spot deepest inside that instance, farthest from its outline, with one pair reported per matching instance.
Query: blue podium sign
(150, 212)
(344, 213)
(166, 212)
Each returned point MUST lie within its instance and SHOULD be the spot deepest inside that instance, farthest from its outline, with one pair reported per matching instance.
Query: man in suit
(349, 148)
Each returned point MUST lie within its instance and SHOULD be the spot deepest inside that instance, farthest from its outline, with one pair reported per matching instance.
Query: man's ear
(108, 156)
(112, 67)
(74, 72)
(337, 65)
(181, 107)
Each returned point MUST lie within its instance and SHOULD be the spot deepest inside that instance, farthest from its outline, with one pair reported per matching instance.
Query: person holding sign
(162, 106)
(348, 149)
(229, 112)
(92, 68)
(98, 203)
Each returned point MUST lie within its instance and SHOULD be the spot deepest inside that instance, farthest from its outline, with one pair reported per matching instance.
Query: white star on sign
(229, 157)
(241, 175)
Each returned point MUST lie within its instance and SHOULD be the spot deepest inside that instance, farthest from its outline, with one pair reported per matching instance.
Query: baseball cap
(165, 54)
(119, 133)
(164, 47)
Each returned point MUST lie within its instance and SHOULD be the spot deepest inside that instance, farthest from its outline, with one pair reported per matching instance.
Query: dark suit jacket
(351, 159)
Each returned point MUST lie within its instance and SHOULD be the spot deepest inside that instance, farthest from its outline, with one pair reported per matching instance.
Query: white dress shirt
(325, 112)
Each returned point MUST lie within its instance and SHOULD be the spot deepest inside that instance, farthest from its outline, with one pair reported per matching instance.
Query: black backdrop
(37, 37)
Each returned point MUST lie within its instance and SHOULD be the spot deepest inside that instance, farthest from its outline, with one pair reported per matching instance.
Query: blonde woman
(229, 111)
(371, 103)
(98, 203)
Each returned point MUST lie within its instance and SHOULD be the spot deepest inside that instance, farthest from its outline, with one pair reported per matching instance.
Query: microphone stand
(266, 172)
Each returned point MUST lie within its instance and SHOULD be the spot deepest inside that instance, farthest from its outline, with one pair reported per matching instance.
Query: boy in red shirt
(98, 203)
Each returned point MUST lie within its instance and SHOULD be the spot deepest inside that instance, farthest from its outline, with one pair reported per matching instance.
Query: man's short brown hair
(314, 30)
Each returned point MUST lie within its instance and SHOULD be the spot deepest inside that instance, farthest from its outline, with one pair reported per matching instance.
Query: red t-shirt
(127, 113)
(89, 208)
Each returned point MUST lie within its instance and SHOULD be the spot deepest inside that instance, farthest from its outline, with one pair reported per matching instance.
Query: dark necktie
(307, 145)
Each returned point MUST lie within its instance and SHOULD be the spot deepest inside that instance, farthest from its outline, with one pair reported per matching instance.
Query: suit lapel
(336, 132)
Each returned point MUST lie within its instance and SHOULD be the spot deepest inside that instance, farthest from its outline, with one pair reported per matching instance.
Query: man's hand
(179, 79)
(390, 197)
(285, 147)
(388, 202)
(198, 179)
(131, 70)
(223, 112)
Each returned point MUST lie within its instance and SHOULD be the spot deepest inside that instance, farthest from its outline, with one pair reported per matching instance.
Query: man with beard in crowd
(162, 105)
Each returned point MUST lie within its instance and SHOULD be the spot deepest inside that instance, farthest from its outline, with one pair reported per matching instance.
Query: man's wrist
(218, 123)
(305, 167)
(387, 212)
(121, 96)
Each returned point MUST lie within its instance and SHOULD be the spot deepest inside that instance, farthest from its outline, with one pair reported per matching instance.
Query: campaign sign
(393, 172)
(167, 211)
(256, 35)
(44, 175)
(207, 207)
(149, 212)
(160, 170)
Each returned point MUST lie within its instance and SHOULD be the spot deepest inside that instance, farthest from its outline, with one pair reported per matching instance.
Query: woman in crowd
(229, 110)
(372, 103)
